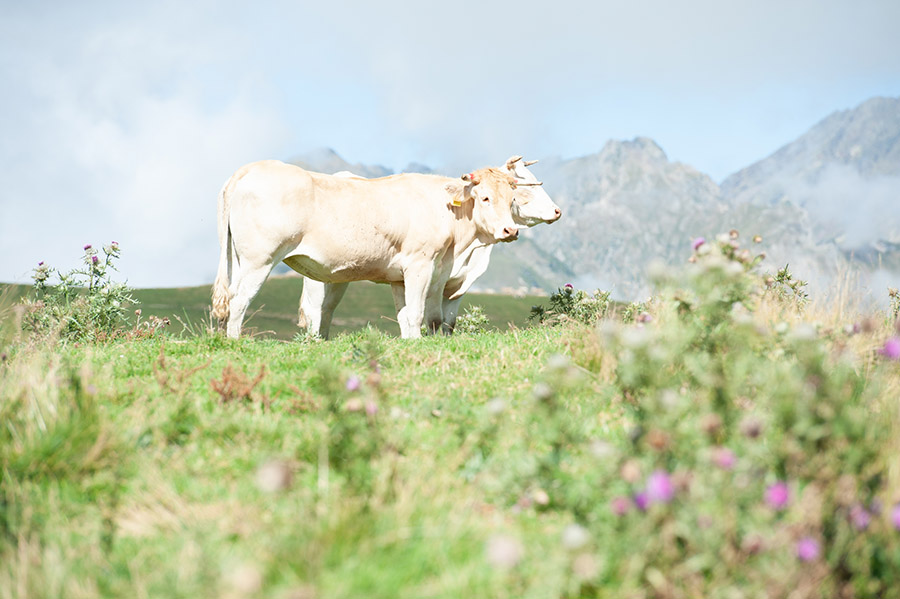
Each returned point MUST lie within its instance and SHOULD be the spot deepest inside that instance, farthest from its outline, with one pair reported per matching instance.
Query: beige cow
(532, 206)
(400, 229)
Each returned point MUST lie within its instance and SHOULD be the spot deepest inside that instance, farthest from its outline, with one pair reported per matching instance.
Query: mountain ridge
(818, 201)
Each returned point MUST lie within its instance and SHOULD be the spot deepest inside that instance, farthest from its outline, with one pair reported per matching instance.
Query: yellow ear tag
(456, 202)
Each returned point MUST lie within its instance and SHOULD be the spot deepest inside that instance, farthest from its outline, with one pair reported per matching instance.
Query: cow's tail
(221, 295)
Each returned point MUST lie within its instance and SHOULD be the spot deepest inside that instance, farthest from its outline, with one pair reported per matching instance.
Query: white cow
(532, 206)
(401, 230)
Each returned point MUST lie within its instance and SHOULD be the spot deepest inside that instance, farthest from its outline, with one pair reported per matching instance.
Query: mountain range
(825, 203)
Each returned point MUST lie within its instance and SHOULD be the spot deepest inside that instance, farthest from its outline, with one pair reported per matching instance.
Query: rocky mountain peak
(640, 148)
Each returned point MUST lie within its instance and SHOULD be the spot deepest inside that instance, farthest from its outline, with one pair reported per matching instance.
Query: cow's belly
(381, 271)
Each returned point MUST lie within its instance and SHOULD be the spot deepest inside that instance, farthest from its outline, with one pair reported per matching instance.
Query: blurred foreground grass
(729, 441)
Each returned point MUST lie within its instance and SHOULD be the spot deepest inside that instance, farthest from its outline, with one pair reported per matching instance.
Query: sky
(121, 121)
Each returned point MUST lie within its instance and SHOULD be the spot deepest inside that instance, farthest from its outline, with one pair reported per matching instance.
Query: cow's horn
(529, 162)
(535, 183)
(470, 177)
(512, 160)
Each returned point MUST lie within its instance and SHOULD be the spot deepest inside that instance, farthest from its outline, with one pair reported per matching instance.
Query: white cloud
(122, 120)
(117, 141)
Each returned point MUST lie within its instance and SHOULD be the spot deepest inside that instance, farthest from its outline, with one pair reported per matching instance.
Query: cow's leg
(334, 292)
(434, 314)
(451, 309)
(416, 281)
(249, 280)
(399, 292)
(309, 316)
(317, 303)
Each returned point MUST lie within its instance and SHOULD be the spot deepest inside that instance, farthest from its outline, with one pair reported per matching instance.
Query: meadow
(729, 438)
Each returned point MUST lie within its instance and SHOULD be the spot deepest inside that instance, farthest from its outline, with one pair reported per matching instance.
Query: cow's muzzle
(510, 234)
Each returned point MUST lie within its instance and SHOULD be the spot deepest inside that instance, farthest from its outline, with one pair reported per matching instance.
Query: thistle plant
(473, 321)
(571, 304)
(894, 298)
(86, 304)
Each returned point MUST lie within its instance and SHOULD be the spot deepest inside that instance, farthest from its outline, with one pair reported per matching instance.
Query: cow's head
(489, 193)
(532, 205)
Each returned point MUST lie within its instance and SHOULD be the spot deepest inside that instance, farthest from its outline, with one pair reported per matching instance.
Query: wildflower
(751, 427)
(354, 405)
(630, 471)
(891, 349)
(585, 566)
(540, 497)
(895, 516)
(569, 287)
(807, 549)
(777, 495)
(733, 234)
(574, 536)
(371, 408)
(757, 239)
(752, 544)
(658, 440)
(710, 423)
(353, 383)
(542, 392)
(641, 501)
(697, 243)
(504, 552)
(87, 247)
(619, 505)
(41, 263)
(724, 458)
(659, 487)
(274, 475)
(496, 406)
(95, 260)
(859, 517)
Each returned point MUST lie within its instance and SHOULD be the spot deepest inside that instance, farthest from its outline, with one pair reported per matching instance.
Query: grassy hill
(273, 312)
(735, 443)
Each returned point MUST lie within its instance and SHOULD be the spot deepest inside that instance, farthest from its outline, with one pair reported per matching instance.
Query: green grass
(274, 311)
(507, 464)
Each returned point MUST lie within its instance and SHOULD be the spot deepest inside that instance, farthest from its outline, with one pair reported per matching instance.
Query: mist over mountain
(823, 202)
(326, 160)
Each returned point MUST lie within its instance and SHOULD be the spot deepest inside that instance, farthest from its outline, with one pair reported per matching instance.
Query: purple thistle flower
(87, 247)
(94, 260)
(807, 549)
(895, 516)
(620, 505)
(641, 501)
(859, 517)
(778, 495)
(697, 243)
(41, 263)
(891, 349)
(353, 383)
(724, 458)
(659, 487)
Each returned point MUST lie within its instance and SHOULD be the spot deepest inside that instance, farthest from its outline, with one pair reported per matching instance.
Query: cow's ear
(458, 192)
